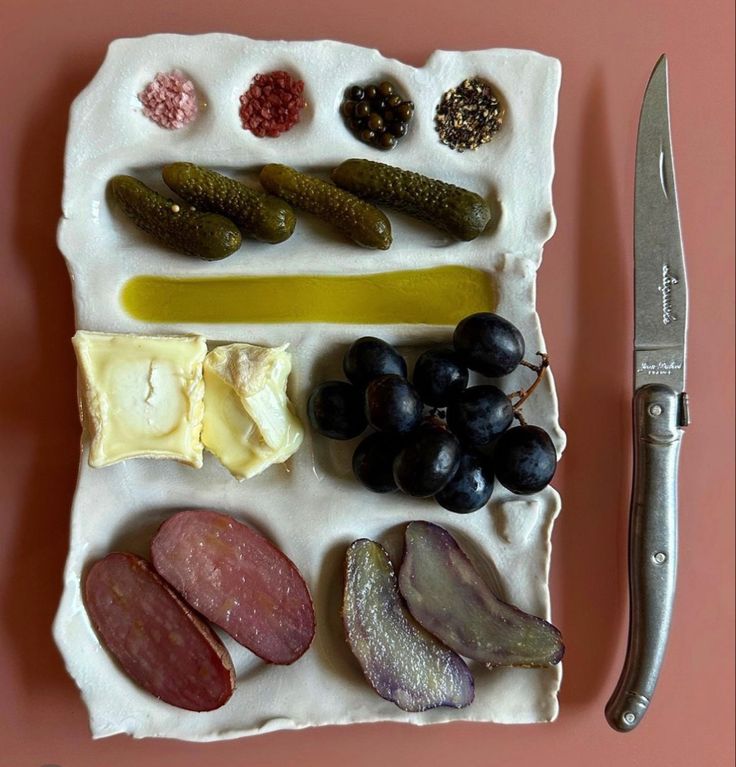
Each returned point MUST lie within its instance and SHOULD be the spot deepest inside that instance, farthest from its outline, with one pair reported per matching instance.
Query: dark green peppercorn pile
(377, 114)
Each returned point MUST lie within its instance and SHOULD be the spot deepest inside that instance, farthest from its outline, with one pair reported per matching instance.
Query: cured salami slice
(239, 580)
(156, 638)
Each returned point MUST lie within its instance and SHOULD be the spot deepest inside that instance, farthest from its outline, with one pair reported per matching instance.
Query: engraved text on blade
(665, 289)
(659, 368)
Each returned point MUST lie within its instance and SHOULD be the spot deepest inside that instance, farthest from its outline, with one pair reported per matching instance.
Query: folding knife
(660, 406)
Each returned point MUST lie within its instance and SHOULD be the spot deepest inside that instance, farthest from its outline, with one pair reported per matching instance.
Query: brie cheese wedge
(141, 396)
(249, 422)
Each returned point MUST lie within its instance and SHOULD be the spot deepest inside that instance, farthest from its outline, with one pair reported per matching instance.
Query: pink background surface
(51, 50)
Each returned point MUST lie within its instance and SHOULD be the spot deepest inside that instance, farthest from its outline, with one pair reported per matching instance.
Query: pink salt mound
(170, 100)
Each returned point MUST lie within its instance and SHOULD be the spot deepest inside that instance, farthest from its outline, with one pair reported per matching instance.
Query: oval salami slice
(239, 580)
(156, 638)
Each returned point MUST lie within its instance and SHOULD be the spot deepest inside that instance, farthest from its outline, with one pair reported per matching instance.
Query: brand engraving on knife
(659, 368)
(665, 289)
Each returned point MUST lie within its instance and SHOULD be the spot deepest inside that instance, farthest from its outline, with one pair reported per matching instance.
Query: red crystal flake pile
(272, 104)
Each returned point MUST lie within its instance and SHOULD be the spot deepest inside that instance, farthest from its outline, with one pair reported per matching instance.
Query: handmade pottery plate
(311, 507)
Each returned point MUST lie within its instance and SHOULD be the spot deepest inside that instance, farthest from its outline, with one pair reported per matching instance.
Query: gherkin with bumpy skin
(462, 213)
(258, 215)
(361, 222)
(205, 235)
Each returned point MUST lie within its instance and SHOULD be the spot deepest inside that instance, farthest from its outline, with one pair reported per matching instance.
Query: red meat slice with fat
(155, 637)
(239, 580)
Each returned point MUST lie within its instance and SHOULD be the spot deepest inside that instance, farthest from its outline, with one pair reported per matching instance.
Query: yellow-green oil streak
(441, 295)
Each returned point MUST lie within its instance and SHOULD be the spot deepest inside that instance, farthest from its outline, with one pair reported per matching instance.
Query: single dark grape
(373, 461)
(362, 109)
(439, 376)
(398, 129)
(369, 357)
(371, 91)
(367, 135)
(479, 415)
(393, 100)
(387, 140)
(470, 487)
(392, 404)
(356, 93)
(525, 459)
(427, 462)
(386, 88)
(489, 344)
(336, 410)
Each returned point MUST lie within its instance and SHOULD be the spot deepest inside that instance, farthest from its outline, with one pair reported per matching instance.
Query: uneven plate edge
(78, 107)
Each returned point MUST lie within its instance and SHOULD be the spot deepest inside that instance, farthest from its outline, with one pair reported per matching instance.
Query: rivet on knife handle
(652, 551)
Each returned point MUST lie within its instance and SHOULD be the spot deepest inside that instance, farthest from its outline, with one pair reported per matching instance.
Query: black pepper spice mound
(468, 115)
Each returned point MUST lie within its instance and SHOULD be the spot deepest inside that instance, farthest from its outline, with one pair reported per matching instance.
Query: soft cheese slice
(142, 396)
(249, 423)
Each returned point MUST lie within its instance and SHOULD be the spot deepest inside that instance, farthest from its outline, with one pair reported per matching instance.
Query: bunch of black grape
(413, 448)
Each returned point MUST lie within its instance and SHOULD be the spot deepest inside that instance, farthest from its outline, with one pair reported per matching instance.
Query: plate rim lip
(70, 578)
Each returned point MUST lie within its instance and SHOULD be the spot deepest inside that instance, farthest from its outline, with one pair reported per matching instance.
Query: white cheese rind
(141, 396)
(249, 422)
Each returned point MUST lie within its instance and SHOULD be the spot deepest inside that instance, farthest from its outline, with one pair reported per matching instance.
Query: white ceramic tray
(312, 509)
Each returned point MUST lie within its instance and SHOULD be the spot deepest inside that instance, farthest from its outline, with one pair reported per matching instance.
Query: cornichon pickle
(206, 235)
(362, 222)
(462, 213)
(258, 215)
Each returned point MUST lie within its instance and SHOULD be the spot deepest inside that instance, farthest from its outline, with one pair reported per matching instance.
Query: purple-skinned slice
(401, 661)
(448, 597)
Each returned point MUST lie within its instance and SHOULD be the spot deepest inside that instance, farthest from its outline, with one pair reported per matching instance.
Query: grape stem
(524, 394)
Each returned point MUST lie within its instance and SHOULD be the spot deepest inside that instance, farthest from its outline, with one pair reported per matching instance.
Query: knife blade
(660, 406)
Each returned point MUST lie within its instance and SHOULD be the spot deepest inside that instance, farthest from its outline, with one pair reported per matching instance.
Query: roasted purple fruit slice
(446, 595)
(401, 661)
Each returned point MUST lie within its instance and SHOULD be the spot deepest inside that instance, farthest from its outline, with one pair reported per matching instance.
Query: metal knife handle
(652, 551)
